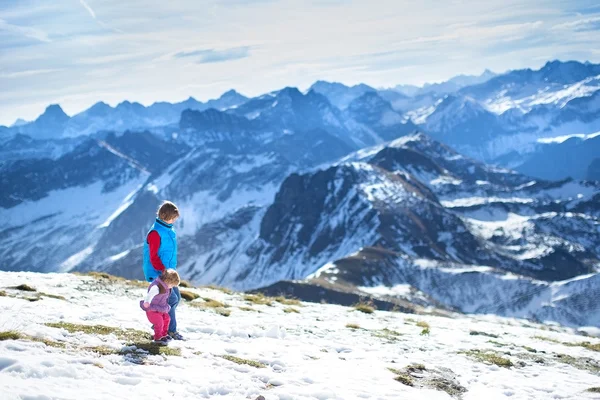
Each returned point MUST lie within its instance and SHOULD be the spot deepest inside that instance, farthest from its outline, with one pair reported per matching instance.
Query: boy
(160, 254)
(156, 304)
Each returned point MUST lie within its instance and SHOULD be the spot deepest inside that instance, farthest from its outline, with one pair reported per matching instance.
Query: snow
(561, 139)
(476, 200)
(124, 206)
(308, 355)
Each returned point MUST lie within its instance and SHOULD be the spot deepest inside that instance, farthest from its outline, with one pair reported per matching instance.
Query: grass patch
(52, 296)
(243, 361)
(259, 299)
(32, 299)
(288, 302)
(24, 288)
(10, 335)
(530, 349)
(586, 345)
(151, 348)
(402, 377)
(14, 335)
(102, 350)
(423, 324)
(189, 296)
(353, 326)
(185, 284)
(547, 339)
(209, 303)
(488, 357)
(223, 311)
(125, 334)
(589, 346)
(425, 332)
(244, 308)
(452, 388)
(416, 368)
(593, 390)
(291, 310)
(583, 363)
(496, 343)
(365, 308)
(2, 293)
(478, 333)
(387, 334)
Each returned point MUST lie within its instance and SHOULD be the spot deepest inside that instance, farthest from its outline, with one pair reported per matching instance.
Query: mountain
(450, 86)
(18, 122)
(412, 212)
(377, 114)
(570, 158)
(339, 94)
(55, 124)
(50, 124)
(55, 210)
(504, 117)
(287, 186)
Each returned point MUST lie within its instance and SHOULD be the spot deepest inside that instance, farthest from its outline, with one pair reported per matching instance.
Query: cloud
(581, 25)
(27, 31)
(88, 8)
(214, 56)
(27, 73)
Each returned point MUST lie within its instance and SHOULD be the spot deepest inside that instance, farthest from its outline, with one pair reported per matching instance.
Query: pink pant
(160, 322)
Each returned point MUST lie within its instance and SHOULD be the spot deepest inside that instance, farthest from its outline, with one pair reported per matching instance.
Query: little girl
(156, 304)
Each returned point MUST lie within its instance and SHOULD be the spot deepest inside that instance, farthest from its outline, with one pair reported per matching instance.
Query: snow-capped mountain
(412, 212)
(55, 124)
(502, 119)
(288, 185)
(450, 86)
(572, 157)
(339, 94)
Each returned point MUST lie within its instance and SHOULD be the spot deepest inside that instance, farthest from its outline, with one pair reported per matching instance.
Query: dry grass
(244, 308)
(125, 334)
(423, 324)
(489, 357)
(366, 308)
(243, 361)
(353, 326)
(14, 335)
(290, 310)
(10, 335)
(151, 348)
(24, 287)
(189, 296)
(258, 299)
(288, 302)
(223, 311)
(185, 284)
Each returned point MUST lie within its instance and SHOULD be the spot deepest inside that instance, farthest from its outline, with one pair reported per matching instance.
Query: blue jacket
(167, 250)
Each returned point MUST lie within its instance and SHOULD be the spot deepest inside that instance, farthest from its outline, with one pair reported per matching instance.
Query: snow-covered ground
(309, 354)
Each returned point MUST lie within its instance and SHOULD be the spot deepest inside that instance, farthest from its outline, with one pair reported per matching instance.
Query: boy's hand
(146, 304)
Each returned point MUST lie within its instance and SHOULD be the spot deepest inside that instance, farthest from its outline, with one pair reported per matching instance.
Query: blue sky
(77, 52)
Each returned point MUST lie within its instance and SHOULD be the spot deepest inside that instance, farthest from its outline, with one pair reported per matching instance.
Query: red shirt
(153, 240)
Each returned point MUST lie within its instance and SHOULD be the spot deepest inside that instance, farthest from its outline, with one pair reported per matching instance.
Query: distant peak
(290, 91)
(19, 122)
(54, 111)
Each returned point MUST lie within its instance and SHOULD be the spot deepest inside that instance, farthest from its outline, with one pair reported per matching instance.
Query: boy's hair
(167, 211)
(170, 277)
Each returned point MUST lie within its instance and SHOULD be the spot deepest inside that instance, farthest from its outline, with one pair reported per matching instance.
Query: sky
(78, 52)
